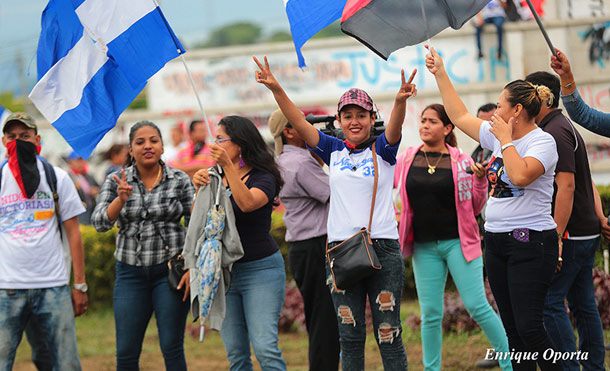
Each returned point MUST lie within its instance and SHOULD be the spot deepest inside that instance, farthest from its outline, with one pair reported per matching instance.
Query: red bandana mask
(23, 165)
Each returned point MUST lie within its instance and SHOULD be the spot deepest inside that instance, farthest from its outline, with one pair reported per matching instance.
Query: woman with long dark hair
(147, 200)
(521, 246)
(256, 295)
(439, 201)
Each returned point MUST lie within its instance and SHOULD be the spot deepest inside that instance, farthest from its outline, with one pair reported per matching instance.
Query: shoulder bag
(355, 258)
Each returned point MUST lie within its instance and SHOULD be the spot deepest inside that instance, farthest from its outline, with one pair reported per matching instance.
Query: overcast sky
(191, 20)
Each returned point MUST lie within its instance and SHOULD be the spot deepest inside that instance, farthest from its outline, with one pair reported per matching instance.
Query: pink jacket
(470, 197)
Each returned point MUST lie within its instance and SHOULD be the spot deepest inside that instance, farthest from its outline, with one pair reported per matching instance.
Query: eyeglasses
(220, 140)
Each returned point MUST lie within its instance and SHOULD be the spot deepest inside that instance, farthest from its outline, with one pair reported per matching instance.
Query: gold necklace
(157, 179)
(431, 168)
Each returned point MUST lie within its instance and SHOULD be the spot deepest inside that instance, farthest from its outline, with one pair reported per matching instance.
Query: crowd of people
(530, 178)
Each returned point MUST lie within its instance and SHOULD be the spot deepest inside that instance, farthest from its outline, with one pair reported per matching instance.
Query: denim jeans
(46, 311)
(384, 289)
(499, 23)
(575, 282)
(307, 265)
(520, 274)
(254, 303)
(431, 263)
(138, 292)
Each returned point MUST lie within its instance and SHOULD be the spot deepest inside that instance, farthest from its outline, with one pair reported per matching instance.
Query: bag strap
(51, 177)
(374, 186)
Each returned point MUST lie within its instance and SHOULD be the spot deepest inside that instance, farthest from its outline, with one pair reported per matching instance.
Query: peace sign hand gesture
(407, 88)
(264, 76)
(124, 189)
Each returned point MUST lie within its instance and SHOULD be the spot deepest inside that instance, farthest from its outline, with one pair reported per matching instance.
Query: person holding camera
(439, 201)
(351, 164)
(147, 200)
(521, 248)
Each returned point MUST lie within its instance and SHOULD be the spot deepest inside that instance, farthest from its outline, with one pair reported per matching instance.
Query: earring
(241, 162)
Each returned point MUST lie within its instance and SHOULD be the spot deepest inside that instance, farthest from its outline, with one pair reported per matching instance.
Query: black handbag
(175, 265)
(176, 271)
(355, 258)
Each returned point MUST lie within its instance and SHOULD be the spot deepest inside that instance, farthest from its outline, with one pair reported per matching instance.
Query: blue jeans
(47, 312)
(499, 23)
(431, 263)
(384, 289)
(254, 303)
(574, 281)
(138, 292)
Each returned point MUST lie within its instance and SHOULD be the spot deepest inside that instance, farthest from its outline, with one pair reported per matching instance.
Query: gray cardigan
(231, 247)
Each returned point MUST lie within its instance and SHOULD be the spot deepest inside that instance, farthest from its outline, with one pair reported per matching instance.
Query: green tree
(280, 36)
(239, 33)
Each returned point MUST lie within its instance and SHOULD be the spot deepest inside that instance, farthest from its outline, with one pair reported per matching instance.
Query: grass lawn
(95, 335)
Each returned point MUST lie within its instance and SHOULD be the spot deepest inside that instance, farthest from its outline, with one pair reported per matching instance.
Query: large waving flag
(94, 57)
(388, 25)
(382, 25)
(307, 17)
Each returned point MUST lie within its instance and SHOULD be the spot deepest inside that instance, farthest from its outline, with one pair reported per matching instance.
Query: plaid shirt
(149, 223)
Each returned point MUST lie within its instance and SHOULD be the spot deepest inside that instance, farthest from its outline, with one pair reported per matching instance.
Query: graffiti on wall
(229, 81)
(599, 34)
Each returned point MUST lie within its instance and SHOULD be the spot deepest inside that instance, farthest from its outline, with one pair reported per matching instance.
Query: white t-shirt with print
(510, 207)
(31, 252)
(351, 179)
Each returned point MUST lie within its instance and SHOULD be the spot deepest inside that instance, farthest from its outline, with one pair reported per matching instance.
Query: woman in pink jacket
(438, 227)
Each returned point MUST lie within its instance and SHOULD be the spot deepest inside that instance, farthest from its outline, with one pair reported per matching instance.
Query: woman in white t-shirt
(521, 245)
(351, 188)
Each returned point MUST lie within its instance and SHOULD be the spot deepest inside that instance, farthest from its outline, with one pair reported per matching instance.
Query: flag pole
(188, 72)
(541, 26)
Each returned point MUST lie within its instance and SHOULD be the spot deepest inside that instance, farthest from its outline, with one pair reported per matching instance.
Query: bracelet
(509, 144)
(569, 85)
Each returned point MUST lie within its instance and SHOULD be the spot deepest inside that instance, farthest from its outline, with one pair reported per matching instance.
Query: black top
(432, 198)
(253, 227)
(573, 159)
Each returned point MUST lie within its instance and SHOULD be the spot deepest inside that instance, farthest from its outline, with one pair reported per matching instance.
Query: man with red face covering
(34, 278)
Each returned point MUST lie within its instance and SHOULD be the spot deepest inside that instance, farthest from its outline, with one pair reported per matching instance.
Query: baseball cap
(356, 96)
(277, 123)
(21, 117)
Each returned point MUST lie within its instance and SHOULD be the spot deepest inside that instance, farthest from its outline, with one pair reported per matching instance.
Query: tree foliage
(239, 33)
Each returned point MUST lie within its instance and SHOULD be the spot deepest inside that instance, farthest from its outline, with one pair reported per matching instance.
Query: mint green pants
(431, 261)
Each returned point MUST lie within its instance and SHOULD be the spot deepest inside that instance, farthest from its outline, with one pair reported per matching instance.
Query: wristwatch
(82, 287)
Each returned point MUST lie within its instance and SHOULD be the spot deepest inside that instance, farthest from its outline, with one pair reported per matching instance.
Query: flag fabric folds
(308, 17)
(388, 25)
(94, 57)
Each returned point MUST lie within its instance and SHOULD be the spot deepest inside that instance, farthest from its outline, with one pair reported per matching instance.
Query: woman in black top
(256, 295)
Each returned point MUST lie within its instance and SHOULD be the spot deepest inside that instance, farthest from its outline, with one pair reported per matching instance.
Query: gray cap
(20, 117)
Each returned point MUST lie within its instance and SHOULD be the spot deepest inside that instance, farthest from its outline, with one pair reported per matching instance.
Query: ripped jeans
(384, 289)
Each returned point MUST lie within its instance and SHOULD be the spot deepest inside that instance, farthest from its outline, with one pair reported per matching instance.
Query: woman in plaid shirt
(147, 200)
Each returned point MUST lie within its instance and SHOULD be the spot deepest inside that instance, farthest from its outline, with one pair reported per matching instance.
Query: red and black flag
(388, 25)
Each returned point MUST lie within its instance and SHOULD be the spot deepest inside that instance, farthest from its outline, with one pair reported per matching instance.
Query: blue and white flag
(94, 57)
(4, 114)
(308, 17)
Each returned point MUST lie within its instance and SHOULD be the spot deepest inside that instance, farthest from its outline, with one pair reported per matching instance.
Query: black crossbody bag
(355, 259)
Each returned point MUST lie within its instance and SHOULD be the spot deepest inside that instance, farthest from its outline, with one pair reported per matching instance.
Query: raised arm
(289, 109)
(456, 110)
(397, 118)
(586, 116)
